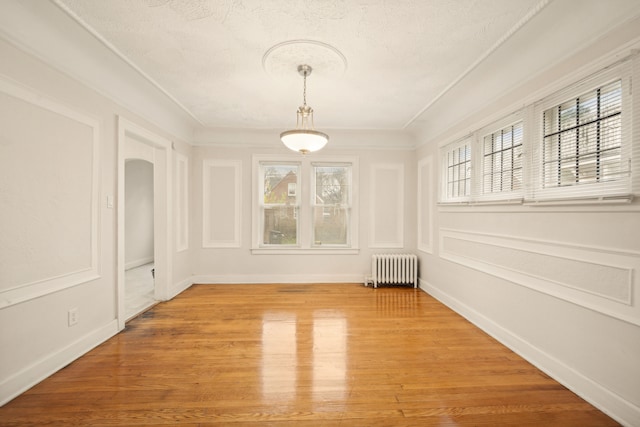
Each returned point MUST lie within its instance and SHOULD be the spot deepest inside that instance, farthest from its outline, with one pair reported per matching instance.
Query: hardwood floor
(301, 355)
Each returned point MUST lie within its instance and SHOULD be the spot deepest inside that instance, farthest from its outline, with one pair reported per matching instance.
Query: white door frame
(163, 221)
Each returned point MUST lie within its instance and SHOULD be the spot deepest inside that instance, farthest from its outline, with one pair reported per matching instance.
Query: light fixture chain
(304, 90)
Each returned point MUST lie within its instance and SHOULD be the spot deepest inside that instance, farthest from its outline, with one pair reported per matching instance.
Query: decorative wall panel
(601, 279)
(49, 223)
(222, 214)
(386, 227)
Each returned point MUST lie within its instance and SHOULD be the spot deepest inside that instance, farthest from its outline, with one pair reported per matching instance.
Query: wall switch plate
(72, 316)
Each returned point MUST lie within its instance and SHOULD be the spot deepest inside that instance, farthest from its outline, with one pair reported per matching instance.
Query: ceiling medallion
(280, 59)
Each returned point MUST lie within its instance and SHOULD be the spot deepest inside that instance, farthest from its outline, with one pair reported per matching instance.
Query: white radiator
(394, 269)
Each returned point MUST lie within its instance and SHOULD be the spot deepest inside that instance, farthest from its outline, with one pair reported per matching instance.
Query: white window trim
(305, 222)
(585, 192)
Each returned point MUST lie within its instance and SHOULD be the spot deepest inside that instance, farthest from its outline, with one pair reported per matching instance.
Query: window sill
(517, 201)
(603, 200)
(305, 251)
(620, 203)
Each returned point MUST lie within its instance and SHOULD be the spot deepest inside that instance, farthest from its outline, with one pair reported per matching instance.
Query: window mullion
(304, 208)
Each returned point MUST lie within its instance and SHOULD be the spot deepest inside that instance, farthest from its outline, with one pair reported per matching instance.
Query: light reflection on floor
(329, 356)
(279, 356)
(283, 377)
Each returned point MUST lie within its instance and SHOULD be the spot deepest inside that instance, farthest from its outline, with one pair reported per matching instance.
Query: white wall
(138, 213)
(58, 217)
(240, 265)
(582, 340)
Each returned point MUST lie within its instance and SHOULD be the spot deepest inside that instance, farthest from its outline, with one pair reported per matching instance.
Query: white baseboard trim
(278, 278)
(602, 398)
(138, 263)
(180, 287)
(26, 378)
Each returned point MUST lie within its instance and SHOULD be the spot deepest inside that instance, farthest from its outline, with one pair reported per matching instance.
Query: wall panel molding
(221, 203)
(601, 279)
(182, 202)
(425, 205)
(64, 145)
(386, 224)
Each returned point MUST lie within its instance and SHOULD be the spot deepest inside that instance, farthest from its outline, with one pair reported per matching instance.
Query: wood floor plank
(303, 355)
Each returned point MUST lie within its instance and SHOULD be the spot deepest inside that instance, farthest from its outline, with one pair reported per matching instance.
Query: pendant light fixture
(304, 138)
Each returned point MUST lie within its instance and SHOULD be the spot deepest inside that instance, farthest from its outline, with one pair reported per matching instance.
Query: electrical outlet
(72, 316)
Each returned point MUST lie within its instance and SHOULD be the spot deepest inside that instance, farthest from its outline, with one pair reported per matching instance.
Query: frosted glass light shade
(304, 140)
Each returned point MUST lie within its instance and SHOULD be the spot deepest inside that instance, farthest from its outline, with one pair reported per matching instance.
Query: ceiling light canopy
(304, 138)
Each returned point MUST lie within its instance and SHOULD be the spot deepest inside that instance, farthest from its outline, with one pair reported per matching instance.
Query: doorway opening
(139, 149)
(138, 236)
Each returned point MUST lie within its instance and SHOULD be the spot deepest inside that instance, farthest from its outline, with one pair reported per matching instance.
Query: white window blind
(502, 162)
(456, 168)
(583, 144)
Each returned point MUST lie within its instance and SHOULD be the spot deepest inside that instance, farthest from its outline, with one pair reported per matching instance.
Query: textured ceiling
(232, 63)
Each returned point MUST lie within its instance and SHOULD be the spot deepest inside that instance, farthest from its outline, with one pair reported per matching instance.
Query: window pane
(331, 201)
(280, 200)
(276, 184)
(610, 133)
(497, 141)
(507, 137)
(567, 115)
(280, 225)
(330, 225)
(588, 107)
(517, 179)
(332, 185)
(488, 144)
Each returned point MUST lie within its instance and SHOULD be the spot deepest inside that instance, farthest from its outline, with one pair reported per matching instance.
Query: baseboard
(602, 398)
(47, 366)
(279, 278)
(180, 287)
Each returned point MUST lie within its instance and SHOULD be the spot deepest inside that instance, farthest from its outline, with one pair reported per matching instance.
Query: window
(495, 174)
(582, 138)
(502, 160)
(304, 205)
(331, 201)
(279, 205)
(573, 145)
(583, 149)
(457, 171)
